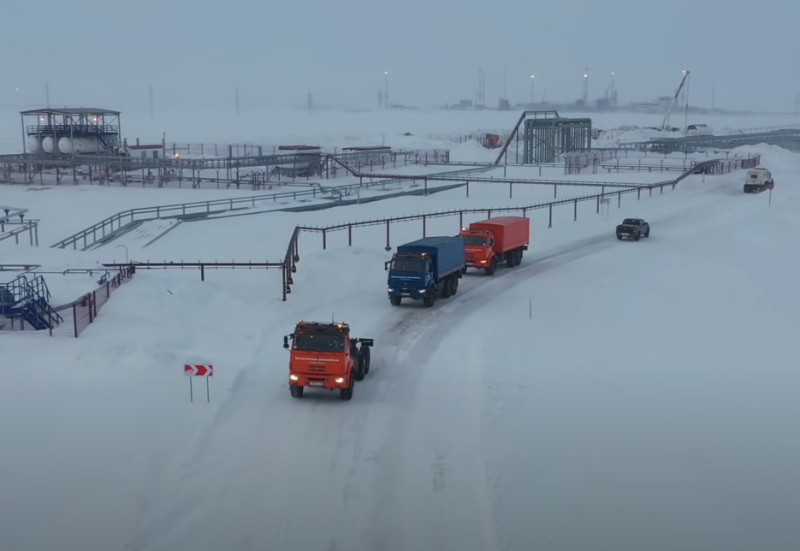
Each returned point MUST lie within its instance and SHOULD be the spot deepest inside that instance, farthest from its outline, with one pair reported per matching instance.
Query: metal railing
(103, 229)
(293, 256)
(84, 310)
(10, 212)
(616, 164)
(19, 228)
(90, 235)
(762, 129)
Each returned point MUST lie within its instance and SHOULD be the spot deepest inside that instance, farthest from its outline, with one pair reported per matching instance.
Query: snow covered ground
(606, 395)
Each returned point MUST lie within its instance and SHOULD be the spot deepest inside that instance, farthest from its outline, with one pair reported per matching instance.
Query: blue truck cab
(424, 268)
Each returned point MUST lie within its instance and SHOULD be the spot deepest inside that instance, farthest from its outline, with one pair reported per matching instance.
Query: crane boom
(665, 122)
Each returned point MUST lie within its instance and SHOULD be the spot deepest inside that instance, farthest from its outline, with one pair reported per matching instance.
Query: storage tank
(49, 144)
(35, 144)
(65, 146)
(83, 146)
(78, 146)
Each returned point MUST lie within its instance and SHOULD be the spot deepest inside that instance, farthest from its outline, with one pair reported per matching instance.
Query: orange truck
(324, 355)
(490, 242)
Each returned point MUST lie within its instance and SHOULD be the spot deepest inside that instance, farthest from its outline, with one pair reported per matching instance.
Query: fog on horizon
(108, 55)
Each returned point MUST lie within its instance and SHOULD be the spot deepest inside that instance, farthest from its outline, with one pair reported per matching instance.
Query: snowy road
(400, 467)
(396, 468)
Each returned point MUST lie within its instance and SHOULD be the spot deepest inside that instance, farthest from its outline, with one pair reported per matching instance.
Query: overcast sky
(195, 54)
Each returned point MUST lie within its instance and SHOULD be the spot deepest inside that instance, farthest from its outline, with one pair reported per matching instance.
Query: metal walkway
(788, 138)
(218, 163)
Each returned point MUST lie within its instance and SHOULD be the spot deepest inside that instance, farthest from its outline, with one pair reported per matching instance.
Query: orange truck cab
(490, 242)
(324, 355)
(493, 141)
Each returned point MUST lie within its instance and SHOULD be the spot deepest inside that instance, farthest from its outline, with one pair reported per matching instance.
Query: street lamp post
(533, 99)
(386, 89)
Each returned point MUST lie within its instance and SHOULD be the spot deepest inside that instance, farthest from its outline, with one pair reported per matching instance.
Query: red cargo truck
(492, 241)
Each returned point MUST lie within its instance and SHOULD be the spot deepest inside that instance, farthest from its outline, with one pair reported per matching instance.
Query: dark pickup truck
(633, 228)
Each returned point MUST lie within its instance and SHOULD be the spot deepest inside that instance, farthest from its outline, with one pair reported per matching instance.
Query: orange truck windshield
(319, 343)
(478, 240)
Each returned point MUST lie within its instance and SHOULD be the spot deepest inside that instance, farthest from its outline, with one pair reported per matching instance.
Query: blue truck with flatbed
(424, 268)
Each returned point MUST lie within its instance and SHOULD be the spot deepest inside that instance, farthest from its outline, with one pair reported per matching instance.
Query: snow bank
(777, 159)
(606, 413)
(645, 134)
(472, 151)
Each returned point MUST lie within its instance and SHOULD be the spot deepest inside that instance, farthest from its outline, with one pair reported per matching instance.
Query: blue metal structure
(29, 300)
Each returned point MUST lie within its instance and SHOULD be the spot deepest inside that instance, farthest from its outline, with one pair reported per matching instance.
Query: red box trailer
(495, 240)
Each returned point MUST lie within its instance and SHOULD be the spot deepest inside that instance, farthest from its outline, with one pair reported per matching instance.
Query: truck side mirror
(386, 266)
(285, 341)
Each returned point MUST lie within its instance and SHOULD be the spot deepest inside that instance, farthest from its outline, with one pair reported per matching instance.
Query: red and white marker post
(198, 370)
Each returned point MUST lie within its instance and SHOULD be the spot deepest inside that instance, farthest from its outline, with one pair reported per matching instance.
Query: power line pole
(237, 101)
(47, 93)
(386, 88)
(481, 88)
(310, 102)
(713, 90)
(152, 105)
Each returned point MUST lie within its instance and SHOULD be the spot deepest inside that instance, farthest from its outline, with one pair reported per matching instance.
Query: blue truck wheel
(447, 287)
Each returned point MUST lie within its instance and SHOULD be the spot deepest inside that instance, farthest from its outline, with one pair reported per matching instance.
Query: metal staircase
(29, 300)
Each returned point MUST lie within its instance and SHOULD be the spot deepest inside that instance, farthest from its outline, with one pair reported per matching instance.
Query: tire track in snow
(380, 412)
(181, 469)
(169, 502)
(386, 533)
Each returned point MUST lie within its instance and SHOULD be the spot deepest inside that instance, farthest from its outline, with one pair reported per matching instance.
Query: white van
(758, 179)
